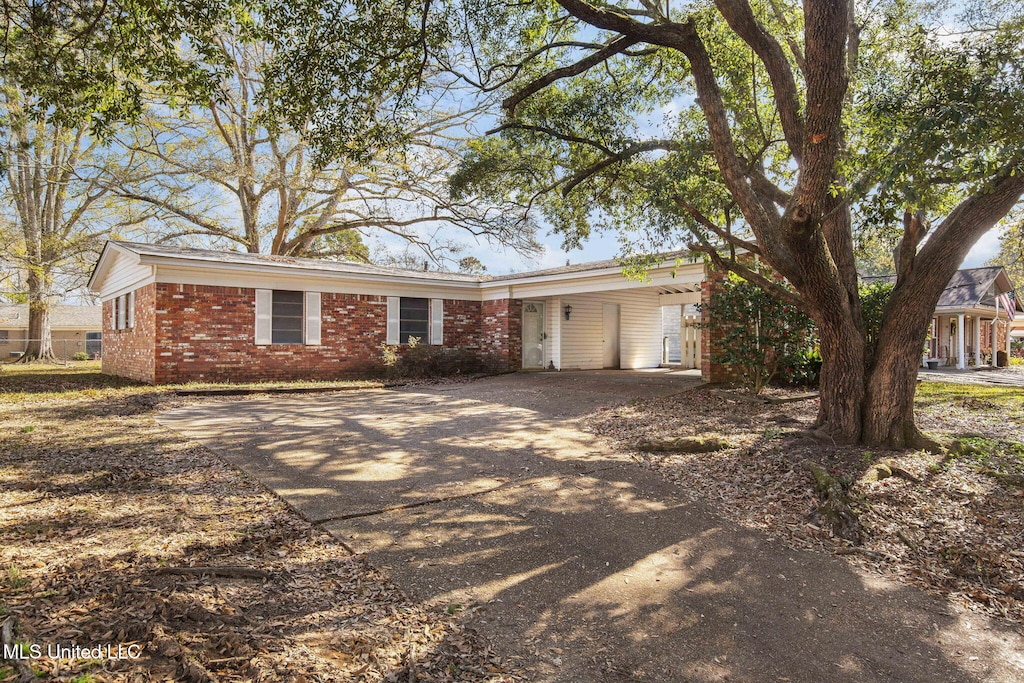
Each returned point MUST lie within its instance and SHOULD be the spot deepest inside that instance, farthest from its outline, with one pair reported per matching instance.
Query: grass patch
(972, 396)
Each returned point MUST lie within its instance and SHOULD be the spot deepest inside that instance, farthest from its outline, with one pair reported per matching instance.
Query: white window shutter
(120, 312)
(130, 297)
(313, 318)
(264, 307)
(437, 321)
(394, 307)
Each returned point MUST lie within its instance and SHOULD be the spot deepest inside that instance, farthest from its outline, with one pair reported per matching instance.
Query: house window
(413, 320)
(93, 343)
(4, 336)
(286, 317)
(124, 313)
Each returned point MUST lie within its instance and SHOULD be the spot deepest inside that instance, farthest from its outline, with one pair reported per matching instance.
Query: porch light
(567, 310)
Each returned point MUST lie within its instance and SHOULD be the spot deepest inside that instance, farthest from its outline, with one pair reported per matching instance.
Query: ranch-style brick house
(173, 314)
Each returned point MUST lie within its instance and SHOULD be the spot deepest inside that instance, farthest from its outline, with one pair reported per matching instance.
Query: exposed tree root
(836, 509)
(885, 469)
(33, 358)
(687, 444)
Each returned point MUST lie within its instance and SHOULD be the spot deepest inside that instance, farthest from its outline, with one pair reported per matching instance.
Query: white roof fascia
(104, 262)
(583, 281)
(316, 273)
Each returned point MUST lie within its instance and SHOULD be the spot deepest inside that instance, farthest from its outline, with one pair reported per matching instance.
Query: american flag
(1009, 304)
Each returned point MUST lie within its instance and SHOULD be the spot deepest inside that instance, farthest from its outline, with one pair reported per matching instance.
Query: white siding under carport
(580, 339)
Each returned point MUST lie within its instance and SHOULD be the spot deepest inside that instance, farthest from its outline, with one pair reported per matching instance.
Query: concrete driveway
(581, 563)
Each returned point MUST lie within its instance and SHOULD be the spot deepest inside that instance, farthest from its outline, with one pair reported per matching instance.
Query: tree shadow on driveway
(576, 559)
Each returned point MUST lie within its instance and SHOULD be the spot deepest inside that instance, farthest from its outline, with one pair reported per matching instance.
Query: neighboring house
(974, 315)
(175, 315)
(73, 329)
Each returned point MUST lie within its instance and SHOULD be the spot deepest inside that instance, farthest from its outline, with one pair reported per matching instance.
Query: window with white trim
(287, 317)
(415, 317)
(124, 311)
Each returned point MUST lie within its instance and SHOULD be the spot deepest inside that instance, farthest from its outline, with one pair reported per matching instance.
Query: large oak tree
(233, 171)
(797, 125)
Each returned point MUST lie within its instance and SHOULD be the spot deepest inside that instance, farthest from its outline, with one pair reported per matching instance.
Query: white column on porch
(995, 340)
(960, 362)
(977, 340)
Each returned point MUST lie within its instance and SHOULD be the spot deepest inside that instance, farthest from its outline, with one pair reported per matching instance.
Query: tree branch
(740, 17)
(616, 157)
(611, 49)
(710, 226)
(729, 265)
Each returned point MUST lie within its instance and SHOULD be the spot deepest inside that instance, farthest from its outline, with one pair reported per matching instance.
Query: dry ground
(957, 531)
(102, 512)
(101, 509)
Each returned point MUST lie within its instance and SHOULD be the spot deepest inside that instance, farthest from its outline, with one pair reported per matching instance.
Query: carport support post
(554, 340)
(960, 361)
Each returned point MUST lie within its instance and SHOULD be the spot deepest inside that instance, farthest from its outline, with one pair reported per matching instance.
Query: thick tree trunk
(842, 381)
(889, 402)
(892, 380)
(40, 345)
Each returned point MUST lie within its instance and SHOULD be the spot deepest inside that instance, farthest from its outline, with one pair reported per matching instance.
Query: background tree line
(185, 142)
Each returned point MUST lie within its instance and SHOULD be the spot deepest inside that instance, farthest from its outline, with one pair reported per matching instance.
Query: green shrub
(81, 355)
(760, 336)
(804, 368)
(422, 361)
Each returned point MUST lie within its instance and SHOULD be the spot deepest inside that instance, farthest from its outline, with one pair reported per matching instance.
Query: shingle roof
(582, 267)
(15, 316)
(288, 262)
(968, 288)
(355, 267)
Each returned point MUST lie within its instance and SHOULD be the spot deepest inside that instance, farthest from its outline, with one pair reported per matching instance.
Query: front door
(533, 335)
(611, 336)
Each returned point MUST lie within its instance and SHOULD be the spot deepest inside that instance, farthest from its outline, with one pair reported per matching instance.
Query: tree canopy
(777, 127)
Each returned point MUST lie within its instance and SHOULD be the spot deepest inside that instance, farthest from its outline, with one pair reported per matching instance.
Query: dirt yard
(114, 530)
(953, 524)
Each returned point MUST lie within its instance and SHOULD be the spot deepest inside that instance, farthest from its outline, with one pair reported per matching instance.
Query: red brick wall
(206, 333)
(709, 338)
(502, 332)
(129, 352)
(462, 325)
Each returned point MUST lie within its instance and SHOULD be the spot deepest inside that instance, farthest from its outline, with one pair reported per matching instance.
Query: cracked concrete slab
(571, 557)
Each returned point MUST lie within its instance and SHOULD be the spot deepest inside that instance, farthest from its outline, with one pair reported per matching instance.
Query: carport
(590, 317)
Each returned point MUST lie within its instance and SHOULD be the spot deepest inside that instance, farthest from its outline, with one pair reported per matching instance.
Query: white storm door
(533, 334)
